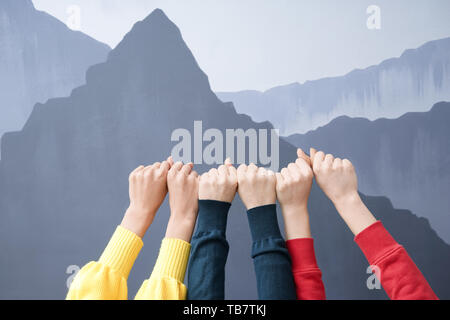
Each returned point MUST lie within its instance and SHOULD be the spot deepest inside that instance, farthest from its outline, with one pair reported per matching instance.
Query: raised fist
(336, 177)
(182, 183)
(219, 184)
(256, 186)
(294, 185)
(147, 190)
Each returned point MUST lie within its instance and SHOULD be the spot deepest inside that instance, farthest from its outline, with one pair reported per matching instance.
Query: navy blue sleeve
(270, 256)
(209, 252)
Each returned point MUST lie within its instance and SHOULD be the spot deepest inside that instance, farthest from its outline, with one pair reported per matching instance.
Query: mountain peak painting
(412, 82)
(402, 158)
(151, 40)
(124, 116)
(64, 171)
(40, 58)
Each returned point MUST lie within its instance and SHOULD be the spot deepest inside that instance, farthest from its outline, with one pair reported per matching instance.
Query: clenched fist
(294, 185)
(256, 186)
(293, 189)
(219, 184)
(147, 190)
(182, 183)
(336, 177)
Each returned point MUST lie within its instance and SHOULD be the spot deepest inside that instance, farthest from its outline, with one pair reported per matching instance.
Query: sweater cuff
(302, 254)
(212, 215)
(172, 259)
(121, 251)
(263, 222)
(375, 241)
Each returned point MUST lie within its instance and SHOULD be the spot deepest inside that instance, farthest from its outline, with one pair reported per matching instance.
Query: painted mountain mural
(416, 80)
(406, 159)
(40, 58)
(64, 178)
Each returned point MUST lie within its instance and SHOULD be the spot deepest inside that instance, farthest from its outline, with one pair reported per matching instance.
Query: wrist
(185, 216)
(347, 201)
(355, 213)
(296, 222)
(212, 215)
(180, 227)
(136, 221)
(212, 198)
(256, 204)
(263, 222)
(292, 210)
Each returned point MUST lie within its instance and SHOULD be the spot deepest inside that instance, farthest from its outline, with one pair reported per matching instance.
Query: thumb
(312, 153)
(165, 166)
(170, 161)
(228, 162)
(302, 155)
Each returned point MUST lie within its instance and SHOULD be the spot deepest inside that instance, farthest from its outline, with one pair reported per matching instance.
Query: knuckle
(221, 180)
(232, 179)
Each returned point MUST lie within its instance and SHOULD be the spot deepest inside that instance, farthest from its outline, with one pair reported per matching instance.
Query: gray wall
(63, 178)
(40, 58)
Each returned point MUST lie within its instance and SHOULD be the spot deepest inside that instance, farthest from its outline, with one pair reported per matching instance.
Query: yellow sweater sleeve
(107, 278)
(166, 280)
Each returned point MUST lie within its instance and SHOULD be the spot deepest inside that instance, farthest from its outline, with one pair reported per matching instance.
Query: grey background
(63, 178)
(40, 58)
(257, 45)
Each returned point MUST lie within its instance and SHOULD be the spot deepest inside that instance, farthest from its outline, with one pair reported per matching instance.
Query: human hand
(337, 178)
(256, 186)
(182, 183)
(219, 184)
(147, 190)
(293, 189)
(294, 185)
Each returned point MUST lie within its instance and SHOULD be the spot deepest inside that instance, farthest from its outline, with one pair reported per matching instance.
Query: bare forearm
(136, 222)
(355, 213)
(180, 228)
(296, 222)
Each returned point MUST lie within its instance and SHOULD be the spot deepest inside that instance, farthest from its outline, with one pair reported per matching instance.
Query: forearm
(296, 222)
(307, 275)
(206, 277)
(399, 276)
(270, 256)
(107, 278)
(181, 226)
(166, 280)
(137, 221)
(306, 272)
(354, 212)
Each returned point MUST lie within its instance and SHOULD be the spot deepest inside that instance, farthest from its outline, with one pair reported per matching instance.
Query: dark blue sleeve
(206, 274)
(270, 255)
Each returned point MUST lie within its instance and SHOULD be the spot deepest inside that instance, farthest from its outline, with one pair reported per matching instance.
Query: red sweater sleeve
(307, 275)
(399, 276)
